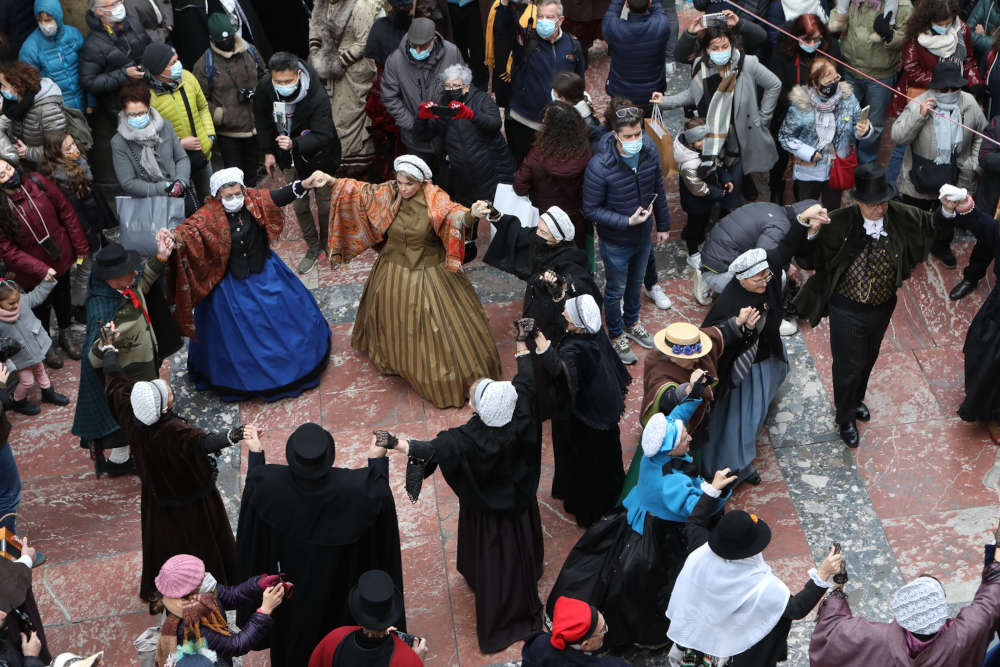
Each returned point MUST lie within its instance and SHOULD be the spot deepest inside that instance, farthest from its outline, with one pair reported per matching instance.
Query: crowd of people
(394, 126)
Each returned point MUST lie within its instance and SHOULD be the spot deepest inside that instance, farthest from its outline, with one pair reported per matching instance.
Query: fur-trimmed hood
(240, 47)
(800, 98)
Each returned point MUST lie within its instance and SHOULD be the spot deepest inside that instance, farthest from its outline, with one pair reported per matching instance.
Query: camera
(8, 348)
(246, 94)
(406, 637)
(27, 627)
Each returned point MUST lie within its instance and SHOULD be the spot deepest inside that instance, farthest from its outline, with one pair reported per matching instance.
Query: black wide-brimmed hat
(870, 184)
(375, 603)
(310, 451)
(113, 260)
(947, 75)
(739, 535)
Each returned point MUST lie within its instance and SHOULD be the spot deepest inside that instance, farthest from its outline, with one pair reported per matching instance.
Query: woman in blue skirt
(256, 331)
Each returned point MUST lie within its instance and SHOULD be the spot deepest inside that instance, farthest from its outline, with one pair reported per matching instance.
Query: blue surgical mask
(138, 122)
(632, 147)
(420, 55)
(286, 91)
(8, 95)
(720, 58)
(545, 27)
(176, 69)
(938, 29)
(808, 48)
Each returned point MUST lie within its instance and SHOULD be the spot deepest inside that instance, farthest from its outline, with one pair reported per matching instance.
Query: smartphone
(406, 637)
(651, 200)
(443, 112)
(718, 18)
(863, 116)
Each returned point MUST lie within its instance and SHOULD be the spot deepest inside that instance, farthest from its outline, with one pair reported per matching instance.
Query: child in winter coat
(18, 322)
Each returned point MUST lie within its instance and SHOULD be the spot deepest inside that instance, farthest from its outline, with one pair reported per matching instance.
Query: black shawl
(594, 379)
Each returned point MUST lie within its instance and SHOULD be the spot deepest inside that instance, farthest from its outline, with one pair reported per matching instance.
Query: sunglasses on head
(628, 112)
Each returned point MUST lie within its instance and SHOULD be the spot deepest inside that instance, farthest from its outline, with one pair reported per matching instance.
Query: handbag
(928, 177)
(658, 132)
(842, 171)
(142, 217)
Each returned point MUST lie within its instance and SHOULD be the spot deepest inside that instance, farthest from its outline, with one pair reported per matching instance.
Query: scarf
(723, 607)
(943, 46)
(826, 120)
(720, 109)
(875, 228)
(199, 610)
(10, 316)
(17, 110)
(947, 131)
(147, 138)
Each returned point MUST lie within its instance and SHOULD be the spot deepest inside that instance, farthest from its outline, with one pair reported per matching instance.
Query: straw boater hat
(682, 340)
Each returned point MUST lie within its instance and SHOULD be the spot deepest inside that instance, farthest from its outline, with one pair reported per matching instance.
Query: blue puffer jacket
(636, 46)
(56, 57)
(612, 192)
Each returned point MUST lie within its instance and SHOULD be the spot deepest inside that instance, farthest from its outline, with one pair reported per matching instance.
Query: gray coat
(756, 225)
(28, 329)
(45, 115)
(916, 132)
(171, 157)
(407, 83)
(750, 120)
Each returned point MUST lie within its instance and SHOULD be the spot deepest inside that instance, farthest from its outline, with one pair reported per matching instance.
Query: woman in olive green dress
(419, 317)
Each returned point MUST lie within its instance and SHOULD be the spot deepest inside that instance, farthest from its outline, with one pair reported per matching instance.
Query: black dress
(494, 472)
(982, 342)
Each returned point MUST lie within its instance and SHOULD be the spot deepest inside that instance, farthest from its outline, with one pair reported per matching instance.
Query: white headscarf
(224, 177)
(584, 312)
(723, 607)
(495, 402)
(149, 401)
(413, 166)
(559, 224)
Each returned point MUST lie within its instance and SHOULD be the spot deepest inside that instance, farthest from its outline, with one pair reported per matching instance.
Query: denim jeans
(895, 163)
(650, 277)
(10, 486)
(670, 9)
(624, 269)
(878, 97)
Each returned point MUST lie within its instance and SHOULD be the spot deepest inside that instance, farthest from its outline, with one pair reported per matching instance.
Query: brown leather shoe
(71, 349)
(52, 358)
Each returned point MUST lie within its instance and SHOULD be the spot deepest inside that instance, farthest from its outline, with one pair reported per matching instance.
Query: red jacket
(548, 182)
(24, 257)
(918, 65)
(322, 655)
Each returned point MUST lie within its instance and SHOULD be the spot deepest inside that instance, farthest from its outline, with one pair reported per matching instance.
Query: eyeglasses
(454, 87)
(764, 276)
(628, 112)
(111, 5)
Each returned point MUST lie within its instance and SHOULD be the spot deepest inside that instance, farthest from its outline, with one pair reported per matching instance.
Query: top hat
(375, 603)
(739, 535)
(947, 75)
(682, 340)
(870, 184)
(309, 451)
(113, 260)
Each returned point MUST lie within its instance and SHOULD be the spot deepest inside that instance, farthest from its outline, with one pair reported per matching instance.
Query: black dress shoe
(961, 290)
(862, 412)
(849, 434)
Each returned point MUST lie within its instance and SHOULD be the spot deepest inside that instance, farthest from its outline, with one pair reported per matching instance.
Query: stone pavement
(917, 497)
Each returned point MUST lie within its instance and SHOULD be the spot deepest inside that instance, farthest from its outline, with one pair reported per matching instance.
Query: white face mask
(49, 29)
(118, 13)
(232, 204)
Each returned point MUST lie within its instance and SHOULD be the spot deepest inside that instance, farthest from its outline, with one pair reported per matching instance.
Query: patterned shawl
(201, 254)
(361, 213)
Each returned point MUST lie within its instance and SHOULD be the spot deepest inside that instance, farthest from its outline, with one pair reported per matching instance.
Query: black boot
(25, 407)
(49, 395)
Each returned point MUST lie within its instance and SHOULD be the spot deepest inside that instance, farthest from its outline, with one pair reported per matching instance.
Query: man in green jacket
(861, 258)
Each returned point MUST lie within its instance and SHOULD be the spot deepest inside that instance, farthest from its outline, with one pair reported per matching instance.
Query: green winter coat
(987, 14)
(879, 59)
(171, 107)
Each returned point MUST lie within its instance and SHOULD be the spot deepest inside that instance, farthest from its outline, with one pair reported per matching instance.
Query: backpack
(78, 128)
(210, 64)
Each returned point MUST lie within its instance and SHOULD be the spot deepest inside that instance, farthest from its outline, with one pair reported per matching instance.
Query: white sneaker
(702, 294)
(670, 66)
(788, 327)
(657, 296)
(694, 261)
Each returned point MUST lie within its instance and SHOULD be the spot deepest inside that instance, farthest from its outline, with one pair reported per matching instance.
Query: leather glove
(698, 388)
(424, 111)
(175, 189)
(385, 439)
(523, 328)
(882, 26)
(464, 111)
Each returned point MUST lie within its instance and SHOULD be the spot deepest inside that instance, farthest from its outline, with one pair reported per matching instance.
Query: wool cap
(920, 606)
(180, 575)
(558, 224)
(661, 433)
(219, 26)
(421, 31)
(149, 401)
(572, 622)
(750, 263)
(155, 58)
(495, 401)
(413, 166)
(224, 177)
(696, 133)
(584, 312)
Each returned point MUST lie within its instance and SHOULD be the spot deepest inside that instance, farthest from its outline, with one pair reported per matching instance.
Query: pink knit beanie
(180, 575)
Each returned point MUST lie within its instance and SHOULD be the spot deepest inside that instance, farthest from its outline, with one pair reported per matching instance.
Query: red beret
(572, 622)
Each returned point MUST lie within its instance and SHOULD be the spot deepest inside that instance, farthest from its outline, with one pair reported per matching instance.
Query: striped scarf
(741, 366)
(720, 111)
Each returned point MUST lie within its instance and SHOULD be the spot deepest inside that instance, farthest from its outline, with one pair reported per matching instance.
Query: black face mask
(454, 95)
(828, 90)
(228, 44)
(14, 182)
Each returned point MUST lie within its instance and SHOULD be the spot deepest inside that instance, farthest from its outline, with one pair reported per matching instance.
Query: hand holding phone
(652, 199)
(863, 116)
(717, 18)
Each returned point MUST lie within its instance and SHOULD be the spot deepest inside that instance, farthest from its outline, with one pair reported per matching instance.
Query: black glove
(235, 435)
(883, 27)
(557, 290)
(698, 388)
(524, 327)
(385, 439)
